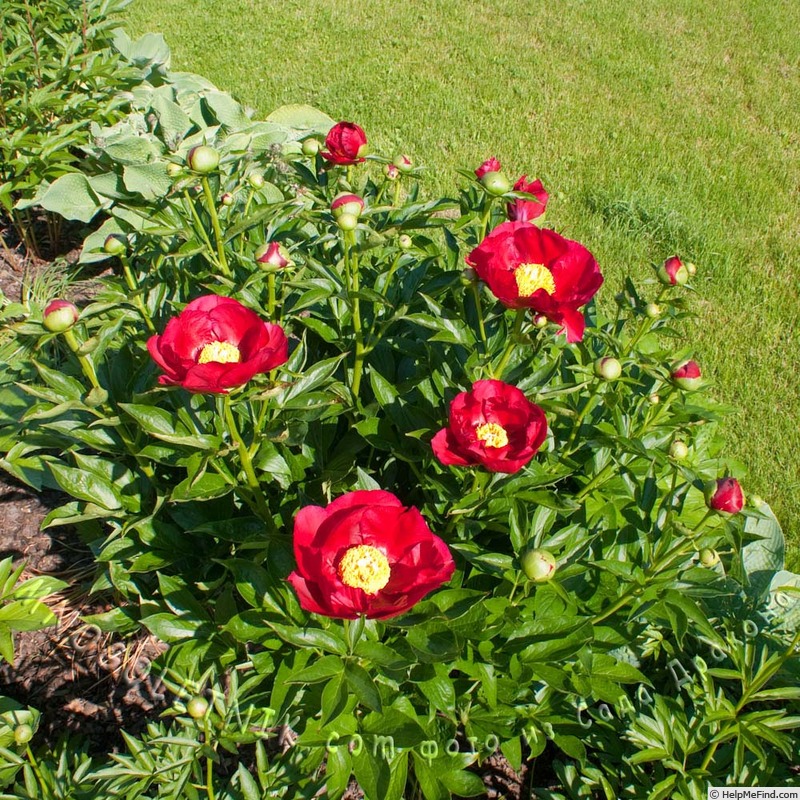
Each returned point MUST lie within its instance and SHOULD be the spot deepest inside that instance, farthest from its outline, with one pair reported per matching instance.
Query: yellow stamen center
(221, 353)
(365, 567)
(492, 434)
(532, 277)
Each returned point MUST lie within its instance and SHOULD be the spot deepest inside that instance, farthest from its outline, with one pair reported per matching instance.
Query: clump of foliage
(59, 72)
(393, 513)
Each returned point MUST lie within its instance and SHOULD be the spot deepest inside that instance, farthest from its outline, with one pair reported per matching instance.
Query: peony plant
(400, 472)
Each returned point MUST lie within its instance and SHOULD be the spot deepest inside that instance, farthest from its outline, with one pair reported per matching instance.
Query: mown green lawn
(659, 127)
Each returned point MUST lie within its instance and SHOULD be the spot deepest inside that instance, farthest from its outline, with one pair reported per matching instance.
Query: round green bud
(256, 180)
(227, 199)
(23, 734)
(403, 163)
(347, 222)
(653, 310)
(609, 369)
(115, 244)
(173, 169)
(311, 147)
(654, 399)
(538, 565)
(691, 269)
(540, 321)
(756, 500)
(197, 707)
(404, 242)
(496, 183)
(202, 159)
(678, 450)
(709, 557)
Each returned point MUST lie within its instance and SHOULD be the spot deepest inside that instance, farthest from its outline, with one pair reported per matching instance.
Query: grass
(658, 127)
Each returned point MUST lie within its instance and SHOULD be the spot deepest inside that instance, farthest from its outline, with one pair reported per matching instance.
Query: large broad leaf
(764, 557)
(151, 48)
(226, 110)
(149, 180)
(783, 602)
(72, 197)
(302, 118)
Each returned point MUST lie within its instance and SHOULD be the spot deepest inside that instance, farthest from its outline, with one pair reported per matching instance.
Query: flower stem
(271, 296)
(137, 298)
(209, 764)
(476, 293)
(247, 464)
(212, 212)
(351, 265)
(520, 318)
(86, 364)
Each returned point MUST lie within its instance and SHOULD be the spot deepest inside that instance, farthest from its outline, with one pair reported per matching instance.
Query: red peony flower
(490, 165)
(494, 425)
(346, 143)
(216, 343)
(366, 553)
(526, 210)
(726, 496)
(529, 267)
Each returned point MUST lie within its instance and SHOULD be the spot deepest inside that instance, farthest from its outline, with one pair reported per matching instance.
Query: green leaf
(207, 487)
(321, 670)
(465, 784)
(334, 698)
(170, 628)
(39, 587)
(86, 486)
(27, 615)
(302, 118)
(765, 556)
(151, 181)
(310, 637)
(72, 197)
(363, 686)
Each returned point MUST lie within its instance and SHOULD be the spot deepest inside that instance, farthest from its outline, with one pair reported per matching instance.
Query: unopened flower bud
(687, 375)
(404, 241)
(391, 172)
(202, 159)
(197, 707)
(725, 495)
(60, 316)
(347, 222)
(654, 399)
(311, 147)
(469, 275)
(678, 450)
(709, 557)
(490, 165)
(540, 321)
(115, 244)
(691, 269)
(173, 169)
(538, 565)
(346, 203)
(673, 272)
(226, 199)
(756, 500)
(609, 369)
(653, 310)
(256, 180)
(274, 254)
(403, 163)
(496, 183)
(23, 733)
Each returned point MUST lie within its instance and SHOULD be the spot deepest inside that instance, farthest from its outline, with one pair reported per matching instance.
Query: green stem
(396, 194)
(591, 401)
(476, 293)
(520, 319)
(486, 217)
(86, 364)
(598, 479)
(137, 298)
(199, 227)
(351, 261)
(35, 766)
(209, 765)
(212, 211)
(247, 464)
(271, 296)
